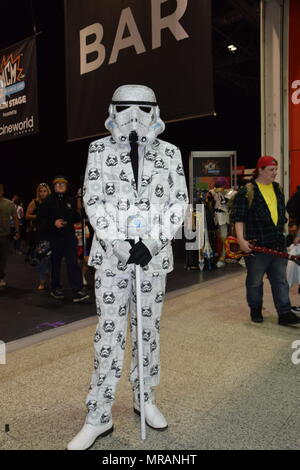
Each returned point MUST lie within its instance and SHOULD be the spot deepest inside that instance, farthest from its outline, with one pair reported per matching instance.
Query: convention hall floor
(226, 383)
(26, 311)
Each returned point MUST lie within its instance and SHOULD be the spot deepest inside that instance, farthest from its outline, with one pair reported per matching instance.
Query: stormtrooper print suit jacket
(110, 197)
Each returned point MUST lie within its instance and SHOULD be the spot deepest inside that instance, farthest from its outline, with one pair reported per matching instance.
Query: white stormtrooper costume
(222, 199)
(112, 197)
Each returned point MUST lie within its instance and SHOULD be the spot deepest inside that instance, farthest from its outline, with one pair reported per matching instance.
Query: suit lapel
(125, 170)
(148, 169)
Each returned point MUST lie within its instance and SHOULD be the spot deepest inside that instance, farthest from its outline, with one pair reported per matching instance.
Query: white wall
(274, 79)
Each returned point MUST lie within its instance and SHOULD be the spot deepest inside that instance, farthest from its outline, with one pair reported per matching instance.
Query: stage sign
(164, 44)
(18, 90)
(209, 168)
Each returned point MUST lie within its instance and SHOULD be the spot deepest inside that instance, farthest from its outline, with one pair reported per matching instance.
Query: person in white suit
(130, 175)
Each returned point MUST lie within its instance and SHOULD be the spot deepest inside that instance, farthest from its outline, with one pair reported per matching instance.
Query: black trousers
(65, 246)
(4, 249)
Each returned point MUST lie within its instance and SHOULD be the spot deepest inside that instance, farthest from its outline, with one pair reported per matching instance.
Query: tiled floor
(225, 384)
(26, 311)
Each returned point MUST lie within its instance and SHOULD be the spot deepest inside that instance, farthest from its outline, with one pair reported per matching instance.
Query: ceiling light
(232, 47)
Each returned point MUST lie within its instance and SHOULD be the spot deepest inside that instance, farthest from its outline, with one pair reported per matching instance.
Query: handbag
(292, 270)
(43, 249)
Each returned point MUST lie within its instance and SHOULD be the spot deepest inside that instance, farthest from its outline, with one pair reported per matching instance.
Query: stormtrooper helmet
(134, 112)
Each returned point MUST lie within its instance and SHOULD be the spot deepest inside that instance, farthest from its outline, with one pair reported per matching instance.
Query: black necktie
(134, 155)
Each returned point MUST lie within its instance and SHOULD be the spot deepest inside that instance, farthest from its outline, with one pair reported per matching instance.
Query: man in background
(7, 210)
(58, 216)
(259, 217)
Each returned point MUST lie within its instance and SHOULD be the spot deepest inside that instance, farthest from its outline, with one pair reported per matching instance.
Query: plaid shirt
(259, 225)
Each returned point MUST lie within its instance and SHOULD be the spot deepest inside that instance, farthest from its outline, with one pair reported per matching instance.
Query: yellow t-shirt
(269, 196)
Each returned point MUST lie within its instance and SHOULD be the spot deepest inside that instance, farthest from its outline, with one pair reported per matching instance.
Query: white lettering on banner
(18, 126)
(2, 352)
(171, 22)
(10, 113)
(134, 39)
(296, 95)
(16, 101)
(13, 102)
(96, 46)
(296, 354)
(9, 74)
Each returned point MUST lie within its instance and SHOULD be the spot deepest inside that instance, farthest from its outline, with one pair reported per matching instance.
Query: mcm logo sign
(10, 70)
(11, 80)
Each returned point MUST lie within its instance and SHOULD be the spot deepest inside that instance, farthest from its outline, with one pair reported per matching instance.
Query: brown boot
(42, 285)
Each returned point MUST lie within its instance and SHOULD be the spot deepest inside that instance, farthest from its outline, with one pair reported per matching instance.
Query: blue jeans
(275, 268)
(4, 249)
(43, 267)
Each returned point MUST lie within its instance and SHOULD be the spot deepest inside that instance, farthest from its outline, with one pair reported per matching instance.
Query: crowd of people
(53, 227)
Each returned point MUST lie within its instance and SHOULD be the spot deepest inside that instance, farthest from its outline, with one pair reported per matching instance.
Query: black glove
(139, 254)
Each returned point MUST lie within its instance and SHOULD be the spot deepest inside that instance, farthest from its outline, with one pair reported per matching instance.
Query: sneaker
(57, 294)
(2, 283)
(288, 319)
(80, 295)
(295, 309)
(220, 264)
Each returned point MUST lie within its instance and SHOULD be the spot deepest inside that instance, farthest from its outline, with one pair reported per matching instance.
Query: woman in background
(34, 231)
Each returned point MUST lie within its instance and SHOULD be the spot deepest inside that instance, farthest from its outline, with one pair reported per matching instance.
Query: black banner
(164, 44)
(18, 90)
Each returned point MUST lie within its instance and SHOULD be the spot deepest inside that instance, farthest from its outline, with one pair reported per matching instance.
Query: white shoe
(88, 435)
(2, 283)
(220, 264)
(154, 418)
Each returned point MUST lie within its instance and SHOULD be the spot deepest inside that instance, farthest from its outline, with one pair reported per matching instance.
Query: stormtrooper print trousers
(115, 298)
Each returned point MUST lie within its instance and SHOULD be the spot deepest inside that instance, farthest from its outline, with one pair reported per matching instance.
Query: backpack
(249, 195)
